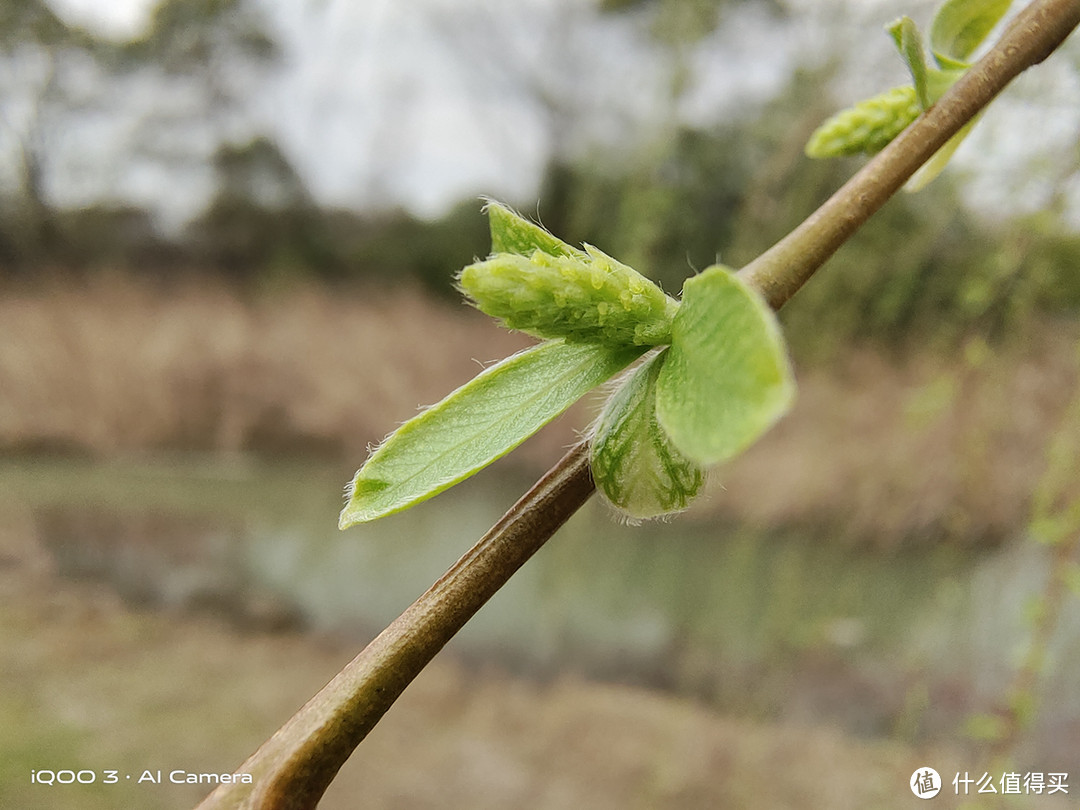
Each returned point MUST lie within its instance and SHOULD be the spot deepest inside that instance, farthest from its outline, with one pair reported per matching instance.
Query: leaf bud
(635, 466)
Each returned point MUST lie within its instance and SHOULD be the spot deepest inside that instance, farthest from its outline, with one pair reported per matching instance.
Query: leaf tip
(346, 520)
(357, 492)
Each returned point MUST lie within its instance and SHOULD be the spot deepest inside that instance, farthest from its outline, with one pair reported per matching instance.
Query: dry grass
(116, 365)
(924, 448)
(886, 450)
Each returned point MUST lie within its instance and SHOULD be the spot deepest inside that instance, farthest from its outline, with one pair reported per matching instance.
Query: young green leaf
(511, 233)
(727, 377)
(634, 464)
(481, 421)
(909, 43)
(960, 26)
(936, 164)
(590, 297)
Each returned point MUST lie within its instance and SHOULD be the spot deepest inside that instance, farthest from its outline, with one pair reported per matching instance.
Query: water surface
(764, 623)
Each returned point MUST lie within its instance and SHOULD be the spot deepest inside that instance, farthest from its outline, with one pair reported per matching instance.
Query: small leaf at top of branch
(961, 26)
(906, 35)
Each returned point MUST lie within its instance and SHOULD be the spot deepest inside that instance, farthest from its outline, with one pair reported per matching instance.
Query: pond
(904, 643)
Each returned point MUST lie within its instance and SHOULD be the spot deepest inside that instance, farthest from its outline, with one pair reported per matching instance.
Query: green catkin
(590, 297)
(868, 127)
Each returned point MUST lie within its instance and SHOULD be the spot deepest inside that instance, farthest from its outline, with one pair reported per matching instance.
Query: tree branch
(1034, 34)
(293, 768)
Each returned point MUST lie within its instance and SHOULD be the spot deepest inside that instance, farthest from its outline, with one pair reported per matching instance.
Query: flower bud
(867, 127)
(587, 297)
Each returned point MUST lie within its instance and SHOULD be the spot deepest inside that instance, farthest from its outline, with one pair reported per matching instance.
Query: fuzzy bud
(586, 297)
(634, 464)
(868, 127)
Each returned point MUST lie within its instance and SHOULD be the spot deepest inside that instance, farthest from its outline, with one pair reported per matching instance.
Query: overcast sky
(387, 101)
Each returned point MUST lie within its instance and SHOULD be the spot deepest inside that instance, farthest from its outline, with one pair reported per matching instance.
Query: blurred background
(228, 233)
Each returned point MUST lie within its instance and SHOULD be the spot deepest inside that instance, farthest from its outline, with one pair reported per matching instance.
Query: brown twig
(293, 768)
(1034, 34)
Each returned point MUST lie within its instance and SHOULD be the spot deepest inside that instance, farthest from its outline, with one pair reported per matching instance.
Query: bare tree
(40, 57)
